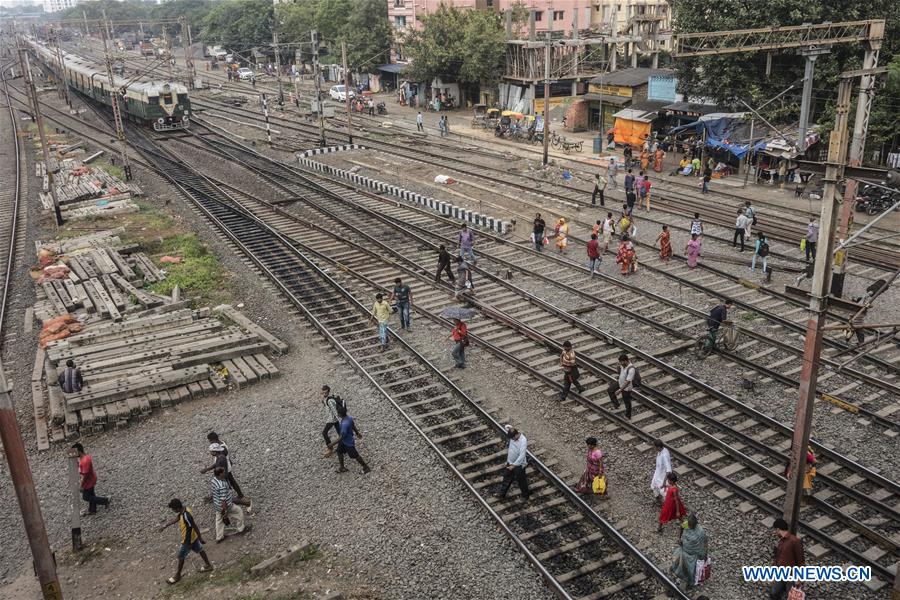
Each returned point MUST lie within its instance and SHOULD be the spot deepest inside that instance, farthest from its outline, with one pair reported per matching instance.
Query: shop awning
(392, 68)
(606, 99)
(636, 114)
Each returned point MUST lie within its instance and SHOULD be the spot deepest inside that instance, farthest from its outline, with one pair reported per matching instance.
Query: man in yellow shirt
(190, 538)
(381, 312)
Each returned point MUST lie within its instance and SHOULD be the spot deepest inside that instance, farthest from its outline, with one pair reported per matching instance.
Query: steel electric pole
(347, 90)
(114, 102)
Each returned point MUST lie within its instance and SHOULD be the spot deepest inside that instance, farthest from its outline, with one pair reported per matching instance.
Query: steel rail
(423, 271)
(14, 221)
(872, 380)
(648, 566)
(420, 155)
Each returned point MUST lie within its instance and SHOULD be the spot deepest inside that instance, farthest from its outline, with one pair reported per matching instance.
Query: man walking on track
(516, 460)
(611, 173)
(219, 452)
(593, 253)
(190, 538)
(88, 480)
(460, 337)
(420, 122)
(740, 229)
(346, 444)
(333, 420)
(609, 228)
(537, 233)
(381, 312)
(624, 386)
(569, 364)
(444, 259)
(403, 296)
(663, 468)
(466, 240)
(599, 189)
(788, 553)
(812, 237)
(223, 504)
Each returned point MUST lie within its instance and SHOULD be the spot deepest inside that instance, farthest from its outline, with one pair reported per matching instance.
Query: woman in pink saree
(692, 251)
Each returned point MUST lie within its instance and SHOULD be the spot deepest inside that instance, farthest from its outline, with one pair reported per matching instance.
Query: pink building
(558, 15)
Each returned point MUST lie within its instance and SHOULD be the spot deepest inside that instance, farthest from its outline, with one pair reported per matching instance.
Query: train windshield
(167, 94)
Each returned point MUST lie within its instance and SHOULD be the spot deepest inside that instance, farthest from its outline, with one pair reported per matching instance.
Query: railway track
(578, 553)
(666, 196)
(11, 161)
(727, 443)
(709, 468)
(874, 395)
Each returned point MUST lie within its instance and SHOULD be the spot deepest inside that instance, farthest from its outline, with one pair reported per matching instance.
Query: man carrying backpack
(628, 379)
(761, 250)
(331, 403)
(70, 380)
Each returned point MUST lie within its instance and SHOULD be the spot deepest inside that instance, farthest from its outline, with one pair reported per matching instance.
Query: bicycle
(726, 336)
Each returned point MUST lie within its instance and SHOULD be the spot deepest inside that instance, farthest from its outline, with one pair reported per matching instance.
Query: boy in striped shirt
(190, 536)
(223, 504)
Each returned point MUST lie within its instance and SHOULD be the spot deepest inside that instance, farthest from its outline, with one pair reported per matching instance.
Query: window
(558, 15)
(399, 21)
(399, 3)
(538, 15)
(490, 3)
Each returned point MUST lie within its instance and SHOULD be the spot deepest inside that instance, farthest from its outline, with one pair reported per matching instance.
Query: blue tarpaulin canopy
(720, 129)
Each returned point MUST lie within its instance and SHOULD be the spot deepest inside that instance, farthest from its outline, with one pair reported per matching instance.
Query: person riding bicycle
(717, 316)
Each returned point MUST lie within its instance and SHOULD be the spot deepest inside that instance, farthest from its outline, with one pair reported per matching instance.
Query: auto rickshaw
(479, 116)
(492, 118)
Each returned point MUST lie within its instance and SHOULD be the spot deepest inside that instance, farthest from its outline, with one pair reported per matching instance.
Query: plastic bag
(803, 244)
(599, 484)
(703, 571)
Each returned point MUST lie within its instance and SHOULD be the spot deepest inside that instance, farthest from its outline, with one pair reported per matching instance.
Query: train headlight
(160, 121)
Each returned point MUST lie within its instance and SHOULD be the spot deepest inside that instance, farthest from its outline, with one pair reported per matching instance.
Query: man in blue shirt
(516, 460)
(346, 444)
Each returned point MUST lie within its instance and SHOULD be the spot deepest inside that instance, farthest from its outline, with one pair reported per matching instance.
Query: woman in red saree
(626, 255)
(593, 469)
(665, 244)
(672, 507)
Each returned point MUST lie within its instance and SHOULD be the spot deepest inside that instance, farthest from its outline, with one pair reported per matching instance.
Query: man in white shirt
(516, 460)
(608, 229)
(740, 228)
(624, 386)
(663, 468)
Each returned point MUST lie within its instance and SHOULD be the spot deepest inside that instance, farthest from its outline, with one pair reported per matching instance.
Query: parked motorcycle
(382, 109)
(873, 200)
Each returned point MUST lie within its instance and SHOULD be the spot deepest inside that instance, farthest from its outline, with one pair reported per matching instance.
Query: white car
(338, 93)
(244, 73)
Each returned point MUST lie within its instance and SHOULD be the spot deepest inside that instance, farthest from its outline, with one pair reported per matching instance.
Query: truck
(147, 48)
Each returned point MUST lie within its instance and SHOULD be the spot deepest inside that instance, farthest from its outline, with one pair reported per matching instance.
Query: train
(162, 105)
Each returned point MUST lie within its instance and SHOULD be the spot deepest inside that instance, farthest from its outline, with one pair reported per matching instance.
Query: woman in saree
(645, 159)
(593, 469)
(692, 250)
(626, 255)
(692, 546)
(665, 244)
(562, 235)
(658, 157)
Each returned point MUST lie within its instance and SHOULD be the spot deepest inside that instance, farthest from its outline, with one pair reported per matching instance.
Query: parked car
(244, 73)
(338, 93)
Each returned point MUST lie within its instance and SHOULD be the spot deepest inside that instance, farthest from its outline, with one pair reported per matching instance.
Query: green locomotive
(162, 105)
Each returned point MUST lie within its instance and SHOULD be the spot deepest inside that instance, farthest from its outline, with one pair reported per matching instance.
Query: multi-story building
(58, 5)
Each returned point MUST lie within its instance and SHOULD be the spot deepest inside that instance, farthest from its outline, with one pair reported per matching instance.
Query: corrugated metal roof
(630, 77)
(607, 99)
(635, 114)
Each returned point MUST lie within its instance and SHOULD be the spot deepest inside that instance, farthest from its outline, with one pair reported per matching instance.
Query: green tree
(295, 21)
(457, 45)
(368, 35)
(239, 25)
(729, 78)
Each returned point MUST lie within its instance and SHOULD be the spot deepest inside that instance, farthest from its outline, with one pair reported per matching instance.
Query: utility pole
(62, 88)
(810, 55)
(749, 151)
(168, 53)
(347, 90)
(188, 52)
(39, 120)
(86, 30)
(857, 147)
(547, 99)
(20, 473)
(314, 35)
(277, 57)
(114, 102)
(818, 302)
